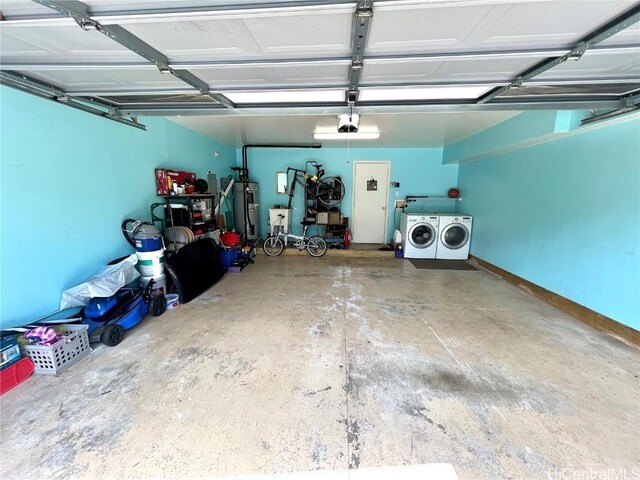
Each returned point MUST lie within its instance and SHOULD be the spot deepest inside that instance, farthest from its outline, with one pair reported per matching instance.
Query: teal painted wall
(565, 215)
(67, 180)
(419, 170)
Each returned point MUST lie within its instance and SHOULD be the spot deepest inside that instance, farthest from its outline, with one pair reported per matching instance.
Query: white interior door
(370, 201)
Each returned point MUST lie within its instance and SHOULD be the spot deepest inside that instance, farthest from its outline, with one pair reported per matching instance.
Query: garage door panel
(273, 35)
(112, 79)
(99, 6)
(393, 29)
(319, 33)
(425, 26)
(22, 8)
(328, 74)
(599, 64)
(60, 43)
(628, 36)
(268, 76)
(230, 77)
(14, 47)
(503, 69)
(193, 40)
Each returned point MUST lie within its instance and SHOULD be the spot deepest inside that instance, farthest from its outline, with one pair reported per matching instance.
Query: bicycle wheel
(273, 246)
(316, 246)
(330, 191)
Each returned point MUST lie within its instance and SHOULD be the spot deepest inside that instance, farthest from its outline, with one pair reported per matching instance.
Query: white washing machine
(419, 235)
(454, 236)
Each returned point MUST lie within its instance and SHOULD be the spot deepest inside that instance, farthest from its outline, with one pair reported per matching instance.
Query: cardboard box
(334, 218)
(165, 178)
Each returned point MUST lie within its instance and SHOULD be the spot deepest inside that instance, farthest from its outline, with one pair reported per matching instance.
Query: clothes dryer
(454, 237)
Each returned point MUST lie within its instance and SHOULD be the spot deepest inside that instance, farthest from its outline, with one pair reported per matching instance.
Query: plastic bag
(104, 284)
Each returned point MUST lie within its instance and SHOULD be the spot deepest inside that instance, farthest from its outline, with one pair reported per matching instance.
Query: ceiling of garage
(424, 72)
(398, 130)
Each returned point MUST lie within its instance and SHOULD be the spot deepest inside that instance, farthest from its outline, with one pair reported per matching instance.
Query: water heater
(245, 209)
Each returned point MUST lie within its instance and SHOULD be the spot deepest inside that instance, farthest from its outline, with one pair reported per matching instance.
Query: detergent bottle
(397, 237)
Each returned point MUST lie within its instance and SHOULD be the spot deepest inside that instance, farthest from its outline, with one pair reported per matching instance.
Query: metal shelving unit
(193, 224)
(323, 229)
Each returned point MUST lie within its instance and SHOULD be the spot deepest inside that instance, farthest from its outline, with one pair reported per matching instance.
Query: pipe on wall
(245, 171)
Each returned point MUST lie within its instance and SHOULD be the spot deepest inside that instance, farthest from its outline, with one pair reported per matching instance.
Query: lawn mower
(109, 317)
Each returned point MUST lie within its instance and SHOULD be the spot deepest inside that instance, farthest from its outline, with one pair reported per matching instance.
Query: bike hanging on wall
(329, 191)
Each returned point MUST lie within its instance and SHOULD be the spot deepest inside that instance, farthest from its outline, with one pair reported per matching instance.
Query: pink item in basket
(43, 336)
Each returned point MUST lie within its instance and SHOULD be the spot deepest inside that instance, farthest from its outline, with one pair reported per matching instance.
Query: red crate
(15, 374)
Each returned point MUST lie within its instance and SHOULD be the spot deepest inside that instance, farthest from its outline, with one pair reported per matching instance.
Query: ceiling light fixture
(421, 93)
(348, 129)
(347, 136)
(285, 96)
(348, 122)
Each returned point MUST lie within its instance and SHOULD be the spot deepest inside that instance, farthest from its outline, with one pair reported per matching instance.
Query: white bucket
(159, 285)
(151, 264)
(173, 300)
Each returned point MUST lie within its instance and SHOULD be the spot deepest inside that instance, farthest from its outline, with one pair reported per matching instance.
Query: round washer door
(422, 235)
(455, 236)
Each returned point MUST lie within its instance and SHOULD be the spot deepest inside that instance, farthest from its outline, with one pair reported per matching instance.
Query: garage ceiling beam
(487, 83)
(612, 114)
(80, 13)
(25, 84)
(607, 30)
(275, 62)
(370, 107)
(359, 33)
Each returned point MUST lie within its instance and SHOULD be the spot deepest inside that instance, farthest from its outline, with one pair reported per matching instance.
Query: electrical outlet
(401, 203)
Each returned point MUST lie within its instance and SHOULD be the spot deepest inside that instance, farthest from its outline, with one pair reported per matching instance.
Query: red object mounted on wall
(165, 178)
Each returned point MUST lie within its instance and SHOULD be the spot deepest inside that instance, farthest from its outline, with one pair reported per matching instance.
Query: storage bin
(53, 359)
(228, 257)
(334, 218)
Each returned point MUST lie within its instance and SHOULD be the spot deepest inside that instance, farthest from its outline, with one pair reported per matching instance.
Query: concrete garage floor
(300, 364)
